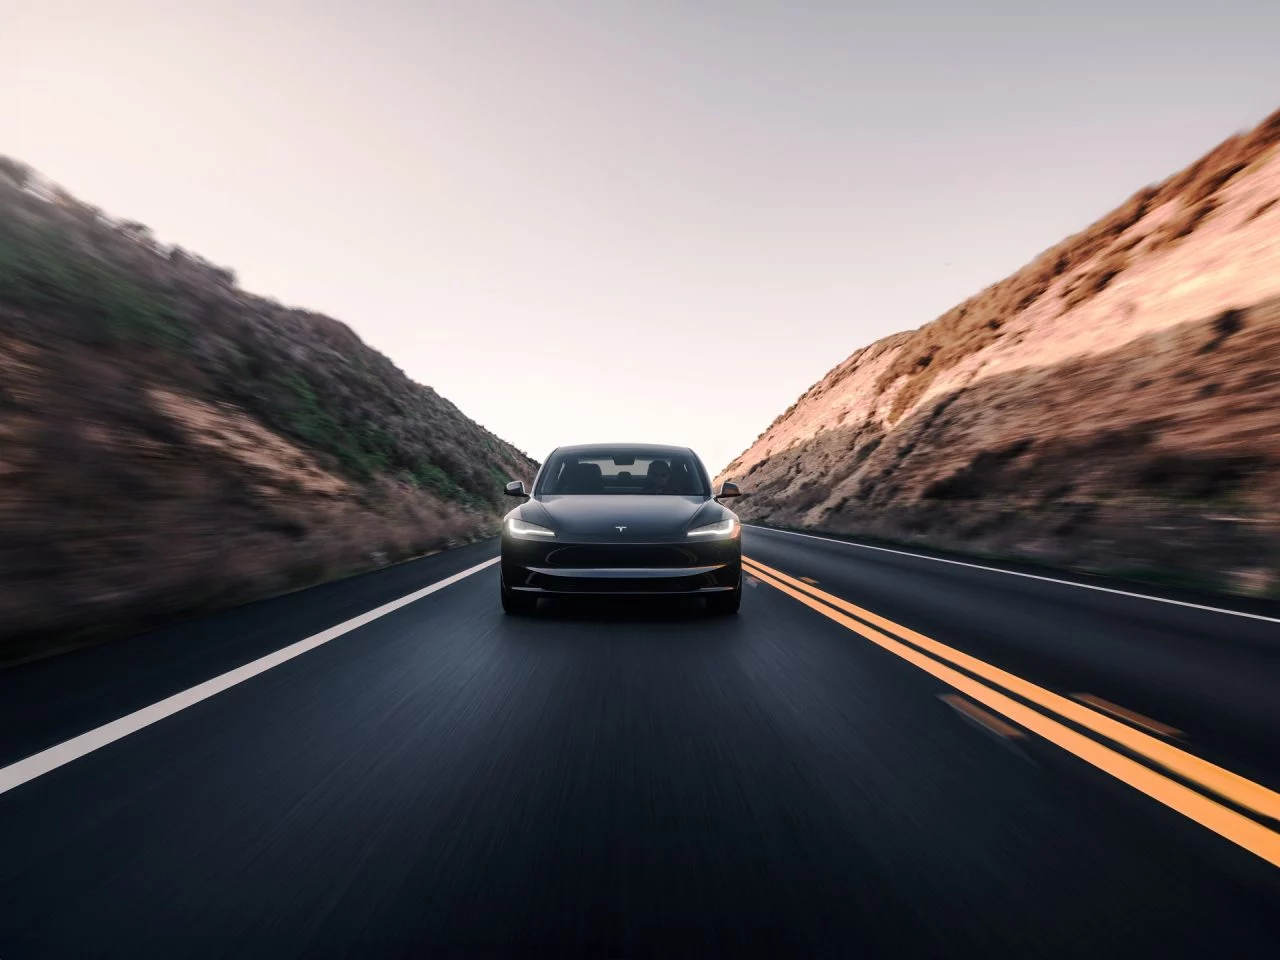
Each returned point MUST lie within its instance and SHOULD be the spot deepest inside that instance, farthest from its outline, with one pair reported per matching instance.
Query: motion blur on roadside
(1113, 407)
(171, 444)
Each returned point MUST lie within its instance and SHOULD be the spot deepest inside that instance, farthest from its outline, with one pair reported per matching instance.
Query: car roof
(645, 449)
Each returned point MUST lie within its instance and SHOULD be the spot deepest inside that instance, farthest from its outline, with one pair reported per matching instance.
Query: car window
(603, 472)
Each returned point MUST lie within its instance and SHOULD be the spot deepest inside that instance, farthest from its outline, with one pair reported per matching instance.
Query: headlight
(524, 530)
(721, 529)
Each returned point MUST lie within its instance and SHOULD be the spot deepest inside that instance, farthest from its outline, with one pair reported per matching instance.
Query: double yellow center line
(933, 657)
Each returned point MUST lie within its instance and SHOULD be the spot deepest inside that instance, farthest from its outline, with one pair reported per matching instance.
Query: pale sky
(645, 221)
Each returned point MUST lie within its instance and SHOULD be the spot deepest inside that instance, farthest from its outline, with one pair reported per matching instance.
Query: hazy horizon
(594, 222)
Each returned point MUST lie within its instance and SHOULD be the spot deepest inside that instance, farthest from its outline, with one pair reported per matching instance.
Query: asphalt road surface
(881, 755)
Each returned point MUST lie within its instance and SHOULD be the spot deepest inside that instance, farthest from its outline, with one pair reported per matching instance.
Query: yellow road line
(1155, 726)
(1246, 793)
(1224, 821)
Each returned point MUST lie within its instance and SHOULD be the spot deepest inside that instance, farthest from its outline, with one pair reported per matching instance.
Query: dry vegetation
(1112, 406)
(170, 443)
(1089, 261)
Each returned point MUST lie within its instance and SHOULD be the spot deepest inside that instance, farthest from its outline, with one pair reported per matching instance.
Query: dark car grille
(620, 556)
(647, 585)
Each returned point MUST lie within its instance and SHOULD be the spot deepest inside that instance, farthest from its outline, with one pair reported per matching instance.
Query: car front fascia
(549, 568)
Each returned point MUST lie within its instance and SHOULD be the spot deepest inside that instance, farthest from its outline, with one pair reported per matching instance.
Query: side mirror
(515, 489)
(728, 489)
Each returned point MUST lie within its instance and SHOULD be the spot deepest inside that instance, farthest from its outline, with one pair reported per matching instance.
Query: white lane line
(1029, 576)
(38, 764)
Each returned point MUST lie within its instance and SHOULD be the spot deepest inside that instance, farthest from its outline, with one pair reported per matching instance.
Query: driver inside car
(658, 478)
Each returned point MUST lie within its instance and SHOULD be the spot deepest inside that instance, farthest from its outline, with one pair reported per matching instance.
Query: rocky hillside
(170, 443)
(1112, 406)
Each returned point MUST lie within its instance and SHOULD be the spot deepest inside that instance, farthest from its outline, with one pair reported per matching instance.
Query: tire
(518, 603)
(725, 604)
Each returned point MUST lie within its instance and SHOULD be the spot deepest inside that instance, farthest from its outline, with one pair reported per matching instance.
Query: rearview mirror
(516, 489)
(728, 489)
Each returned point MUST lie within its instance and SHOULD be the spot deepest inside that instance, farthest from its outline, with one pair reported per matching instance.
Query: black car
(621, 520)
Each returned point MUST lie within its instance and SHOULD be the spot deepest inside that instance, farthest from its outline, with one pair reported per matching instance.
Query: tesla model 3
(621, 520)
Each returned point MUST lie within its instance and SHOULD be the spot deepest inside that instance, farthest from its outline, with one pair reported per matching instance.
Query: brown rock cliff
(1113, 406)
(170, 443)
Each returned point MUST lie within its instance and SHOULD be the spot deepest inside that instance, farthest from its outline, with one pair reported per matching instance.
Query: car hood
(597, 518)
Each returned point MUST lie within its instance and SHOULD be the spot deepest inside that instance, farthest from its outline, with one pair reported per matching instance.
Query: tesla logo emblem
(619, 529)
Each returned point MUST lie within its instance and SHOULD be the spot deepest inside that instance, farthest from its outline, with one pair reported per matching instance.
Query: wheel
(724, 604)
(513, 602)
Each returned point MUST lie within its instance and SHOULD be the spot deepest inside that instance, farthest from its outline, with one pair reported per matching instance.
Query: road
(882, 755)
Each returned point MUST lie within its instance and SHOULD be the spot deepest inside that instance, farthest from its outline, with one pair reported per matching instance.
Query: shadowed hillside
(170, 443)
(1114, 405)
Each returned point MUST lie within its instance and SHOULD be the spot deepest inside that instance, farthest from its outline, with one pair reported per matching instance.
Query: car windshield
(621, 471)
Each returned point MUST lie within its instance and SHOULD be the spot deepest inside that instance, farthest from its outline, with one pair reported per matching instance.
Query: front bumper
(617, 569)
